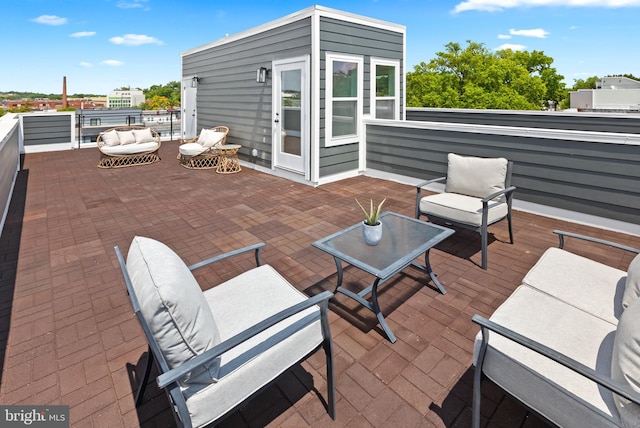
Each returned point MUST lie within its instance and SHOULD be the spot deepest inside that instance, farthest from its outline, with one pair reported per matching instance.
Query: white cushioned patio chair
(477, 194)
(218, 348)
(201, 152)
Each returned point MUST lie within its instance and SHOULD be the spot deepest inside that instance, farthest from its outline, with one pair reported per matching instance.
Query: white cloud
(535, 32)
(135, 4)
(511, 46)
(85, 64)
(504, 36)
(573, 27)
(50, 20)
(112, 62)
(83, 34)
(499, 5)
(135, 40)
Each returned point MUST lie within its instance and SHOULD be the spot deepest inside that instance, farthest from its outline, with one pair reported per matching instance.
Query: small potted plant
(371, 226)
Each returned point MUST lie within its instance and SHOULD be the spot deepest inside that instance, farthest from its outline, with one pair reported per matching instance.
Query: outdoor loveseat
(128, 146)
(566, 343)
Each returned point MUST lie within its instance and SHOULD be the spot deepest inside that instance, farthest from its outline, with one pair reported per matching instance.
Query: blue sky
(101, 45)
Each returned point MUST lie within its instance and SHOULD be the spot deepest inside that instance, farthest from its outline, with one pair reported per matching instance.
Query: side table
(228, 163)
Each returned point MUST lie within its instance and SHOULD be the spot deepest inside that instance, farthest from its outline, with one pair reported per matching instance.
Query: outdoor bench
(128, 146)
(566, 342)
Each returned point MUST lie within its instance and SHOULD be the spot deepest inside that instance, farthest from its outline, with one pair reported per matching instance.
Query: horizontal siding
(350, 38)
(49, 129)
(622, 123)
(593, 178)
(228, 93)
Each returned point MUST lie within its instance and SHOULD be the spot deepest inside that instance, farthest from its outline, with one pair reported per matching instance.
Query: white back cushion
(632, 287)
(143, 135)
(126, 137)
(472, 176)
(209, 138)
(110, 138)
(173, 306)
(624, 363)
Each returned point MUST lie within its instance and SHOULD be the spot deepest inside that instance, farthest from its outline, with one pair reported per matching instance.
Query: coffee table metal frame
(403, 240)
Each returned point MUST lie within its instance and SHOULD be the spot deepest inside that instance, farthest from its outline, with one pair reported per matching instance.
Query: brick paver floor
(68, 335)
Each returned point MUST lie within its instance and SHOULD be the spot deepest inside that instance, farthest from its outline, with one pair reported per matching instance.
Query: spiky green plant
(371, 217)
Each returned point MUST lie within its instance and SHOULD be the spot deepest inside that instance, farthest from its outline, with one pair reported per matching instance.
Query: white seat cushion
(632, 287)
(143, 135)
(191, 149)
(173, 306)
(624, 365)
(462, 208)
(556, 392)
(237, 305)
(110, 138)
(577, 280)
(130, 149)
(475, 176)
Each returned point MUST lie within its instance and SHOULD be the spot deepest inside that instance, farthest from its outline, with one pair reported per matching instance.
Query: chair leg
(510, 228)
(331, 399)
(145, 378)
(477, 396)
(483, 232)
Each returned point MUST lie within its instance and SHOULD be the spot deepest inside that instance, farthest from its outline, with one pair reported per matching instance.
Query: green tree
(2, 112)
(170, 91)
(588, 83)
(474, 77)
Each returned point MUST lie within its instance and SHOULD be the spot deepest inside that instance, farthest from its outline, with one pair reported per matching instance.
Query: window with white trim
(343, 99)
(385, 88)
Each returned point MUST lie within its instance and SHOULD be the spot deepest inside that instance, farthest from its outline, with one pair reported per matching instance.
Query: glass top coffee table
(403, 240)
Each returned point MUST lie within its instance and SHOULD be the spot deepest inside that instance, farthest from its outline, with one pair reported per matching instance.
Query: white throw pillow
(126, 137)
(632, 287)
(173, 306)
(209, 138)
(473, 176)
(110, 138)
(143, 135)
(624, 363)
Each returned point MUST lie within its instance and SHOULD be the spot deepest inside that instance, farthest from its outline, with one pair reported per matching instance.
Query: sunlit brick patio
(68, 335)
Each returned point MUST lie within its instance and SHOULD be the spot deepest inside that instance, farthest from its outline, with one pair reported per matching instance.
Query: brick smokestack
(64, 92)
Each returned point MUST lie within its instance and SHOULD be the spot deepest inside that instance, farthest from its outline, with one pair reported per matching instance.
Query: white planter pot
(372, 234)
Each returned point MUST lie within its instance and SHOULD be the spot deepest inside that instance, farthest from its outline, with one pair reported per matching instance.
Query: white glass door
(290, 119)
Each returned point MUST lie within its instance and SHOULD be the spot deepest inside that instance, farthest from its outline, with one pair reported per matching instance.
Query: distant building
(612, 94)
(45, 104)
(125, 99)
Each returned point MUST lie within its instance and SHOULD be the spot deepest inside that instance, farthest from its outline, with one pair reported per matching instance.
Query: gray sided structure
(305, 121)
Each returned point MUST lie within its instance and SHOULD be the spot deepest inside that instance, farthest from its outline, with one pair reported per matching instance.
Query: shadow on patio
(72, 337)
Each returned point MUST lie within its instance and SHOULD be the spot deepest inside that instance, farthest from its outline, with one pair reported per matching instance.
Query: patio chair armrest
(561, 235)
(419, 186)
(254, 247)
(605, 381)
(507, 192)
(187, 140)
(173, 375)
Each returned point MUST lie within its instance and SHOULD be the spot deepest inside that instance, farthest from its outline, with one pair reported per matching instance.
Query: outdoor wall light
(194, 81)
(261, 74)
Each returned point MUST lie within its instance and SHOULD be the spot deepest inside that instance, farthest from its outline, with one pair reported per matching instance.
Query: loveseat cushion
(462, 208)
(556, 392)
(577, 280)
(143, 135)
(130, 149)
(475, 176)
(173, 306)
(126, 137)
(624, 363)
(632, 287)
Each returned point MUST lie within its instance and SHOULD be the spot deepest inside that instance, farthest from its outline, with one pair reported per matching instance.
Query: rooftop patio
(68, 334)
